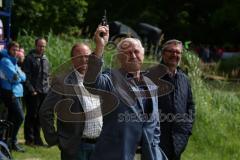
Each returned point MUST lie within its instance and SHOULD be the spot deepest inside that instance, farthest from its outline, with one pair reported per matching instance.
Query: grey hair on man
(127, 43)
(172, 41)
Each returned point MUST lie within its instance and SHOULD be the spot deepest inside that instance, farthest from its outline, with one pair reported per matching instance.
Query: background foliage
(41, 16)
(202, 21)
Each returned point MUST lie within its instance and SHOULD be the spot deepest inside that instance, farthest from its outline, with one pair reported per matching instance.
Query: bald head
(40, 44)
(79, 55)
(80, 46)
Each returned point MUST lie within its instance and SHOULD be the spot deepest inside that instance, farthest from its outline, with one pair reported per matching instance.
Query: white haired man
(134, 121)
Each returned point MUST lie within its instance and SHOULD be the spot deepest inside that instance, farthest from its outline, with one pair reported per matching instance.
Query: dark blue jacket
(176, 110)
(63, 99)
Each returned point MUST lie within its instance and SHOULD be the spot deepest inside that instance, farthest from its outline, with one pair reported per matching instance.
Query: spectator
(205, 54)
(36, 67)
(12, 90)
(20, 56)
(176, 108)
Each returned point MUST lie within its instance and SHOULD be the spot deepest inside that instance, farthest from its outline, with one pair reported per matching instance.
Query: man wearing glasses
(176, 108)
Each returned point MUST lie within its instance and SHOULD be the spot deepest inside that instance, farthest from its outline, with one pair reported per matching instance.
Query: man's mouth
(173, 59)
(133, 61)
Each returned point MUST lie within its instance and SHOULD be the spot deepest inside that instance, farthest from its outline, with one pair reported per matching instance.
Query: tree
(201, 21)
(41, 16)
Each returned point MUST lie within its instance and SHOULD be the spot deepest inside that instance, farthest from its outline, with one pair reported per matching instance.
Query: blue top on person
(11, 75)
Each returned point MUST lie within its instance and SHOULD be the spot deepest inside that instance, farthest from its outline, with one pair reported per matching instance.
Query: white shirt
(94, 120)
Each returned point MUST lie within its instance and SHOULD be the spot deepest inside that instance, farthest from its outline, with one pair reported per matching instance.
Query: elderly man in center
(134, 120)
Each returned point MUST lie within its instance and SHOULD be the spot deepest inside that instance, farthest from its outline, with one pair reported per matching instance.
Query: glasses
(172, 51)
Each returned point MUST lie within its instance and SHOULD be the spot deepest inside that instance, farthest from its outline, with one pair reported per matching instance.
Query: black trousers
(167, 147)
(32, 124)
(84, 152)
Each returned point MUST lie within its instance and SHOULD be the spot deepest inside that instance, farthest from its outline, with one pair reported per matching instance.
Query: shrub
(231, 66)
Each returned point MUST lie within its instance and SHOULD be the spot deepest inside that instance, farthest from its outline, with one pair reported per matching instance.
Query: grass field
(216, 129)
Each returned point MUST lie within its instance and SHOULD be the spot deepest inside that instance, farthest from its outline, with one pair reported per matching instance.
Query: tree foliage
(201, 21)
(41, 16)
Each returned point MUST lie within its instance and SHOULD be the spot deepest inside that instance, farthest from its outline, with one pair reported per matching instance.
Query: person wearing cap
(176, 108)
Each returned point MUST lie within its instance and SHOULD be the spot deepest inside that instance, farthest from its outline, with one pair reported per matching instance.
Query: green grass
(36, 153)
(215, 133)
(216, 129)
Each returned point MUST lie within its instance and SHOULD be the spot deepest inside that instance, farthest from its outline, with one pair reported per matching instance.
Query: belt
(89, 140)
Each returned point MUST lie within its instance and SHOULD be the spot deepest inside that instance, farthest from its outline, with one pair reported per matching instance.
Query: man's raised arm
(101, 41)
(95, 60)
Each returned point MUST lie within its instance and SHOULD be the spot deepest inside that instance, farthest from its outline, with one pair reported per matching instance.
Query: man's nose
(85, 59)
(132, 54)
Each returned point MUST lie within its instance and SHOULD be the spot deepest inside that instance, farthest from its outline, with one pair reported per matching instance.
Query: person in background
(20, 56)
(177, 104)
(12, 90)
(36, 67)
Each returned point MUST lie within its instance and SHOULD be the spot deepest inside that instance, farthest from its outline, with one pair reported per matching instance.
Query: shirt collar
(38, 55)
(79, 76)
(130, 77)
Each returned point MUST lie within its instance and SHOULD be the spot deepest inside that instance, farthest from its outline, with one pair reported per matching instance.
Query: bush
(217, 116)
(230, 66)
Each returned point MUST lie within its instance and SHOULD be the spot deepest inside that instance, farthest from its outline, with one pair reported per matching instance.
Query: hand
(101, 41)
(21, 59)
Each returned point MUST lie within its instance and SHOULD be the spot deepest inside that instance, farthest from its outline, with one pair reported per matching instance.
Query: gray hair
(172, 41)
(127, 42)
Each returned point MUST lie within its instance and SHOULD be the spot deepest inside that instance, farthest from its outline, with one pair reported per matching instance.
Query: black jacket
(63, 99)
(176, 109)
(37, 71)
(68, 133)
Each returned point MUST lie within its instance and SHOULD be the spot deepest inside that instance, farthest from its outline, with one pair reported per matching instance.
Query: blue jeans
(15, 114)
(84, 152)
